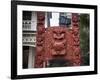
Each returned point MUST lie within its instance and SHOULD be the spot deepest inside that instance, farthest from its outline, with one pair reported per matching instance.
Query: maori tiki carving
(76, 41)
(40, 40)
(57, 43)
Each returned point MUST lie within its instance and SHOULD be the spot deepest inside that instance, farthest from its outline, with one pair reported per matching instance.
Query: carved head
(58, 34)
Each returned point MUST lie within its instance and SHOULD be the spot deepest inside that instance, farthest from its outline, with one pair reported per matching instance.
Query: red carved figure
(57, 43)
(39, 57)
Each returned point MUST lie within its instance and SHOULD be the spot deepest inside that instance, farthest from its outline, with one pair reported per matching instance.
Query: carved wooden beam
(39, 57)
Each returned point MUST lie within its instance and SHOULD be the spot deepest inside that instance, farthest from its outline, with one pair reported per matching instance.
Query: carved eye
(55, 32)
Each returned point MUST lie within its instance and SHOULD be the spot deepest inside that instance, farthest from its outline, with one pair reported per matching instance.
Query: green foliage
(84, 38)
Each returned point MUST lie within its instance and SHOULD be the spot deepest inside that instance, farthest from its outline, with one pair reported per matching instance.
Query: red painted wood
(39, 57)
(57, 42)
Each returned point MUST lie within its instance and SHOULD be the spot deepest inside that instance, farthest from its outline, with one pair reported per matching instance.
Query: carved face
(41, 29)
(58, 47)
(58, 34)
(75, 17)
(41, 16)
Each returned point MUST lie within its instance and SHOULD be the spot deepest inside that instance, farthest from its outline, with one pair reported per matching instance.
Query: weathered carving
(57, 42)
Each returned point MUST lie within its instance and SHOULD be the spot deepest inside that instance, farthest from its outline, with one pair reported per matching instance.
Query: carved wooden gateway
(57, 46)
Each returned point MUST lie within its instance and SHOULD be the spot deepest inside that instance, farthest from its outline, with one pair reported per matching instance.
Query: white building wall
(54, 21)
(34, 21)
(31, 58)
(46, 20)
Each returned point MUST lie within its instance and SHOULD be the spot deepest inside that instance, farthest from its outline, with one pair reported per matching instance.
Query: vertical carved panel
(40, 40)
(76, 40)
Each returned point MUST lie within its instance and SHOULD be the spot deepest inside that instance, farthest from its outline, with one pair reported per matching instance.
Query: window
(27, 15)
